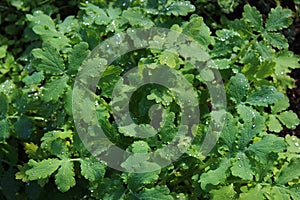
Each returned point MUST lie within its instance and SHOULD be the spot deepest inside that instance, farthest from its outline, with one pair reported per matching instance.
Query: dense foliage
(43, 45)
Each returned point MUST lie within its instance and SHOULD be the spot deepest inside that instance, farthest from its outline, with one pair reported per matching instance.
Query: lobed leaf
(180, 8)
(241, 167)
(238, 87)
(92, 169)
(252, 15)
(264, 96)
(215, 176)
(278, 19)
(289, 119)
(50, 60)
(64, 178)
(289, 172)
(54, 89)
(42, 169)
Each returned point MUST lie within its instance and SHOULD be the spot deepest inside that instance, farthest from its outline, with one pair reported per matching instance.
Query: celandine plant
(151, 76)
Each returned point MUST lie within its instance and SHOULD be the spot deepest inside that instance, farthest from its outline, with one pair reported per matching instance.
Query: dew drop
(297, 144)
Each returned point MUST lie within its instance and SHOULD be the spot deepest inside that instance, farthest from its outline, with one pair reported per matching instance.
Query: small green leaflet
(140, 147)
(51, 136)
(278, 19)
(246, 113)
(96, 15)
(273, 124)
(229, 131)
(289, 119)
(289, 172)
(253, 193)
(198, 30)
(276, 193)
(92, 169)
(241, 167)
(215, 176)
(269, 143)
(293, 144)
(264, 96)
(43, 169)
(64, 178)
(180, 8)
(137, 180)
(50, 60)
(34, 78)
(79, 53)
(277, 40)
(238, 87)
(158, 192)
(54, 89)
(252, 15)
(136, 18)
(224, 193)
(280, 105)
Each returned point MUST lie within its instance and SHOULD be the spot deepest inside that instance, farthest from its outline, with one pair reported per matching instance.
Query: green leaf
(54, 89)
(44, 26)
(140, 147)
(238, 87)
(4, 130)
(246, 113)
(277, 40)
(229, 131)
(265, 69)
(79, 53)
(96, 14)
(51, 136)
(224, 193)
(273, 124)
(264, 96)
(278, 19)
(64, 178)
(269, 143)
(215, 176)
(251, 129)
(264, 50)
(158, 192)
(253, 193)
(180, 8)
(169, 59)
(136, 18)
(92, 169)
(50, 60)
(289, 119)
(43, 169)
(35, 78)
(137, 180)
(39, 17)
(289, 172)
(276, 193)
(280, 105)
(293, 144)
(139, 162)
(198, 30)
(3, 104)
(108, 80)
(3, 50)
(241, 167)
(252, 15)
